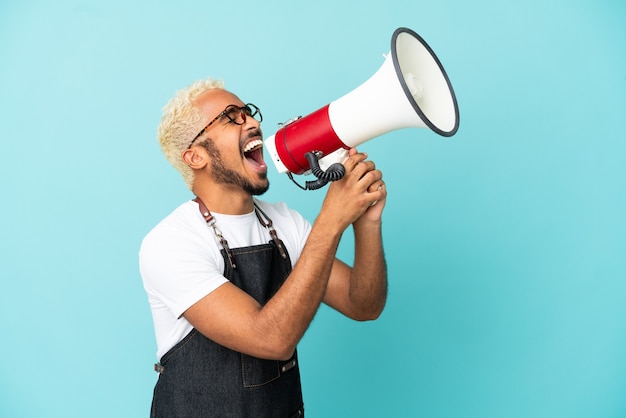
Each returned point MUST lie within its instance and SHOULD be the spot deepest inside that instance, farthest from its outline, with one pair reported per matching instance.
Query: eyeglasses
(235, 114)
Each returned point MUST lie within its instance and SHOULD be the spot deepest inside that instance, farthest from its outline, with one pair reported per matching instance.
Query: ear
(194, 159)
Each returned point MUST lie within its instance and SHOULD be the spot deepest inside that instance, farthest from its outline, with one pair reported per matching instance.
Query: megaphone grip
(313, 132)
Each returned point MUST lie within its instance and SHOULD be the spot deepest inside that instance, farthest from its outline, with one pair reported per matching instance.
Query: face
(235, 151)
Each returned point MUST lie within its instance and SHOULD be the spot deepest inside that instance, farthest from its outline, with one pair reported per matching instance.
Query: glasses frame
(246, 110)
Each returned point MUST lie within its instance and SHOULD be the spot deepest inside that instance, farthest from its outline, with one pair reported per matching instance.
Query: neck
(226, 200)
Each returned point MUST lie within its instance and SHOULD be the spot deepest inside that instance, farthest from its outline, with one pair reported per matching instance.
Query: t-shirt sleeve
(178, 270)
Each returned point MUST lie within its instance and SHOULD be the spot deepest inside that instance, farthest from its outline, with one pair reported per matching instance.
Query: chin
(258, 189)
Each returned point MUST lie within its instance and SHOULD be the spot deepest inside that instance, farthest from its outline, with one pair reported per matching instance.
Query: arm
(235, 320)
(361, 292)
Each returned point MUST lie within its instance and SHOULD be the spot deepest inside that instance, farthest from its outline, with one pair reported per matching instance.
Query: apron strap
(210, 221)
(261, 216)
(269, 225)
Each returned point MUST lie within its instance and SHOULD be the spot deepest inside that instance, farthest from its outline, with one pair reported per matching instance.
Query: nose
(250, 121)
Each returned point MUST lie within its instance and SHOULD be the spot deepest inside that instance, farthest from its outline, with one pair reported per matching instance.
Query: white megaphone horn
(410, 90)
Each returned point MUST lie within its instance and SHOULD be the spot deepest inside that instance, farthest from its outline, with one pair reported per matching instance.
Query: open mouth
(253, 151)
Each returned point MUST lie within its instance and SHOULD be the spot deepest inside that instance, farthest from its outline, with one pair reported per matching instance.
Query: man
(233, 282)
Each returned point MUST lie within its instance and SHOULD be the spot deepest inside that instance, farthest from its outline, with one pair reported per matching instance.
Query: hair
(180, 123)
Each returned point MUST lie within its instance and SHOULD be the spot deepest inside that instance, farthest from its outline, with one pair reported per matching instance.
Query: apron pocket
(258, 372)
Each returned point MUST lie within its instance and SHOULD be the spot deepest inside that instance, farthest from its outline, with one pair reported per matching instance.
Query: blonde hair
(180, 123)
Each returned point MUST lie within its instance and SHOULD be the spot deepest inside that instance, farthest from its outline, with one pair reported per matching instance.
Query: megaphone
(410, 89)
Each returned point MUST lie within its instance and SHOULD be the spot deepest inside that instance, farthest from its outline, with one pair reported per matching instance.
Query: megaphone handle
(335, 172)
(338, 156)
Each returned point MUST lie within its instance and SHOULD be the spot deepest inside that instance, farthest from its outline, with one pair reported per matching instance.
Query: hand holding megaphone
(410, 89)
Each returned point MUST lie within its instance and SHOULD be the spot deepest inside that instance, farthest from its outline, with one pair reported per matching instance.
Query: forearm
(368, 280)
(284, 319)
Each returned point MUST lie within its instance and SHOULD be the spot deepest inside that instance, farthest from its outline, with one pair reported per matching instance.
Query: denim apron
(200, 378)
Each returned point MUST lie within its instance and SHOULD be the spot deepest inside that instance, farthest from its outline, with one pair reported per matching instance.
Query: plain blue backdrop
(506, 243)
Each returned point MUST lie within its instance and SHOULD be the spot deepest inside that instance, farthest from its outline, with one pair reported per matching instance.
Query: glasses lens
(234, 113)
(252, 110)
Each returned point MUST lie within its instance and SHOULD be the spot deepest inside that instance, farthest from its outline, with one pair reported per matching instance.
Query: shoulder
(182, 230)
(182, 220)
(180, 246)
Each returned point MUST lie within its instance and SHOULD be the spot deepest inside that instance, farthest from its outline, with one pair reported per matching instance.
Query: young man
(233, 282)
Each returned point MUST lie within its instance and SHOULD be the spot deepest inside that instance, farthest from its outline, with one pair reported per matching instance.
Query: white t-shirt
(180, 260)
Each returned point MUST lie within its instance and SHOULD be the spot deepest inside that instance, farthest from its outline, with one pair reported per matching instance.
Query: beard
(225, 175)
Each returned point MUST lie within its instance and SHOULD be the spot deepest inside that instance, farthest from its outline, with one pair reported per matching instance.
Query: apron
(200, 378)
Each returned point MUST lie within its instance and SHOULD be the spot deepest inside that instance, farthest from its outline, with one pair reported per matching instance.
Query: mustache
(255, 133)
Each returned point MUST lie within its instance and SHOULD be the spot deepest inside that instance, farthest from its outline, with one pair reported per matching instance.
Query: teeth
(253, 145)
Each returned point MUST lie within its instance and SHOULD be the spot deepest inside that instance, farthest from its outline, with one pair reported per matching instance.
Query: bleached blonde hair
(180, 123)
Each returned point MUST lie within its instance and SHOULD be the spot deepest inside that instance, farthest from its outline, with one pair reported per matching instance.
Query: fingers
(357, 162)
(367, 173)
(368, 179)
(354, 159)
(362, 170)
(378, 191)
(361, 188)
(378, 185)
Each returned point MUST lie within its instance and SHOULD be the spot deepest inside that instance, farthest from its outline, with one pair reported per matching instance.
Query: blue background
(506, 243)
